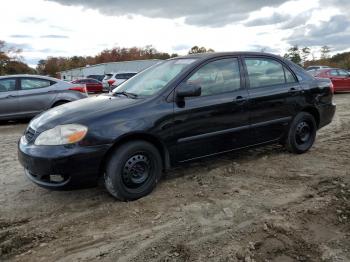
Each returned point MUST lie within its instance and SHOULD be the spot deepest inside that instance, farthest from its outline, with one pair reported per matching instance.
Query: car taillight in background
(332, 87)
(80, 88)
(110, 82)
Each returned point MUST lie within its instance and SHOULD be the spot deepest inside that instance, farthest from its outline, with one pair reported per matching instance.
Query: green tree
(293, 54)
(305, 53)
(196, 50)
(10, 61)
(325, 50)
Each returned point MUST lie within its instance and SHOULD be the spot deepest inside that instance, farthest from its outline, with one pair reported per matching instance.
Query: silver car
(23, 96)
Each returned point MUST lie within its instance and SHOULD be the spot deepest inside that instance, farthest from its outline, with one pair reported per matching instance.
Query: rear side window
(108, 76)
(343, 73)
(217, 77)
(266, 72)
(333, 73)
(34, 83)
(289, 76)
(7, 85)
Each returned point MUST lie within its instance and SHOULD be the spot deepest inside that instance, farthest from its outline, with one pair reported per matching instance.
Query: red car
(339, 77)
(92, 85)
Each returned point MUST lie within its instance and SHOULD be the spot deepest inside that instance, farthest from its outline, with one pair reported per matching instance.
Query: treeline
(10, 58)
(306, 57)
(10, 61)
(52, 65)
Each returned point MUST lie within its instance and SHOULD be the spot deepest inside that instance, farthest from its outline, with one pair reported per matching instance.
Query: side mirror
(187, 90)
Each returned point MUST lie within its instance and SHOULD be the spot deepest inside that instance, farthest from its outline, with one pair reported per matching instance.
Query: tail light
(81, 89)
(332, 87)
(110, 82)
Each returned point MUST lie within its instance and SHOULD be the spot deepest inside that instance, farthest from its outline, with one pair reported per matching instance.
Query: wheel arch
(314, 112)
(164, 153)
(57, 102)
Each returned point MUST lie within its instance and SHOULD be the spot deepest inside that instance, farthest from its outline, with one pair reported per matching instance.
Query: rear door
(273, 95)
(345, 76)
(218, 120)
(8, 97)
(35, 95)
(337, 81)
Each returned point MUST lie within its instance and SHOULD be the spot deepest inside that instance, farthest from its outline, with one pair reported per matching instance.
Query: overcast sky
(44, 28)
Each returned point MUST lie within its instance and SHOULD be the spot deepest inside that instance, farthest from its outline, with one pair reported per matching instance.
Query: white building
(105, 68)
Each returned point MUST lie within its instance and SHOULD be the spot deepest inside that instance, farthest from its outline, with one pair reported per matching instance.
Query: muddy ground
(255, 205)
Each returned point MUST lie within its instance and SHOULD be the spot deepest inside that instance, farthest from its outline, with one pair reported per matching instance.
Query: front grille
(29, 135)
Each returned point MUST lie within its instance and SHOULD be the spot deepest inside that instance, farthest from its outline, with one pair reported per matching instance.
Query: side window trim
(16, 83)
(32, 78)
(283, 64)
(242, 84)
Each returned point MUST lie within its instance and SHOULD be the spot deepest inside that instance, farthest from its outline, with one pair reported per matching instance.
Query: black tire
(302, 133)
(133, 170)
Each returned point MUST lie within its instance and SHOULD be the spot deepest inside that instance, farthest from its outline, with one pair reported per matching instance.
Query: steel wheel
(136, 170)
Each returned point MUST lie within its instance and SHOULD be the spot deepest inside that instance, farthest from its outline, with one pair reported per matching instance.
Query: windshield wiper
(127, 94)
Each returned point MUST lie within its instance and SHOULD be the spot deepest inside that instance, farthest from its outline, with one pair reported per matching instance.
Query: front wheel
(302, 133)
(133, 170)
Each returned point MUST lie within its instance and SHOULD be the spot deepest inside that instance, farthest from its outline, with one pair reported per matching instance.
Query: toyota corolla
(176, 111)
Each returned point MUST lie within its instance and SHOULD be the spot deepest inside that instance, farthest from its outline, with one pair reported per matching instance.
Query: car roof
(218, 54)
(122, 72)
(27, 75)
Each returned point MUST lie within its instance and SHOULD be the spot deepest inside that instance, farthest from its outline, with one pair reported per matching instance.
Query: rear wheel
(133, 170)
(302, 133)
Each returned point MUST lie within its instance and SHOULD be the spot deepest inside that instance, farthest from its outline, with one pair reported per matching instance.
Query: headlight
(61, 135)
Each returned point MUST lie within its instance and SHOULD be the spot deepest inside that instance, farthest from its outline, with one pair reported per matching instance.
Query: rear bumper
(327, 112)
(62, 167)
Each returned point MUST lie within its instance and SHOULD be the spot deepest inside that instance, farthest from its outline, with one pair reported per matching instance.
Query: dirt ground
(255, 205)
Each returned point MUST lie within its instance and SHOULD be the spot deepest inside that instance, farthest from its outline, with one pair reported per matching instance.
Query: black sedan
(176, 111)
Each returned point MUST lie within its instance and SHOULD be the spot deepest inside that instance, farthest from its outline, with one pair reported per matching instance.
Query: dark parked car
(92, 85)
(24, 96)
(176, 111)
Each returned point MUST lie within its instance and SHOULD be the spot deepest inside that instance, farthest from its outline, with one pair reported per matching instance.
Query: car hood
(81, 111)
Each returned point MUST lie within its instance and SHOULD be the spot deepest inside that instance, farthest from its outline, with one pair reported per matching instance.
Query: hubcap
(136, 170)
(303, 132)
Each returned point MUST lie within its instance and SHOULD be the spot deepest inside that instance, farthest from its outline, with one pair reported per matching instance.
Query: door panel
(8, 98)
(216, 121)
(273, 93)
(35, 95)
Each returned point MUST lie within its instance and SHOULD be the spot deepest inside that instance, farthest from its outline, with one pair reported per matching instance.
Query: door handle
(240, 99)
(293, 90)
(10, 96)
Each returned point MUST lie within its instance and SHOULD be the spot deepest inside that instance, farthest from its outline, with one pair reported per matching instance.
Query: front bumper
(62, 167)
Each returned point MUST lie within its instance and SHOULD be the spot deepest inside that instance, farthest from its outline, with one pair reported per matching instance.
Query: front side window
(266, 72)
(7, 85)
(217, 77)
(155, 78)
(34, 83)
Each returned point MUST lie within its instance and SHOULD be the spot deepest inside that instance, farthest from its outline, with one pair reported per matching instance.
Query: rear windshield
(108, 76)
(124, 75)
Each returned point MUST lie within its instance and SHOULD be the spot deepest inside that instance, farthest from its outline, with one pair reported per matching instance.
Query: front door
(8, 98)
(35, 95)
(216, 121)
(273, 93)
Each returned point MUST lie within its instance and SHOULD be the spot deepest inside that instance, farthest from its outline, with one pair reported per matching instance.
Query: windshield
(155, 78)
